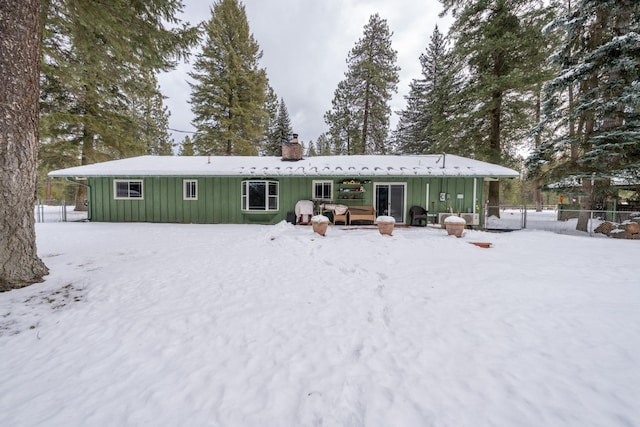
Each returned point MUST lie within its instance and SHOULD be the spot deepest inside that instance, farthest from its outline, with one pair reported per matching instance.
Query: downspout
(475, 194)
(68, 179)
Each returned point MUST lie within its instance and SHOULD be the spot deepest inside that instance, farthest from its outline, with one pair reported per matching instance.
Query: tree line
(484, 90)
(548, 86)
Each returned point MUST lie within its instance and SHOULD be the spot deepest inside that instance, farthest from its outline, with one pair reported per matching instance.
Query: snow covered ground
(547, 220)
(248, 325)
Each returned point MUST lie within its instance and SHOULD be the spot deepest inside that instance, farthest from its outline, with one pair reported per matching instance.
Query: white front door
(390, 200)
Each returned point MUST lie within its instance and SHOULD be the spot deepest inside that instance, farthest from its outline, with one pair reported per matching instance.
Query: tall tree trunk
(87, 157)
(365, 123)
(587, 202)
(572, 120)
(585, 206)
(572, 127)
(495, 150)
(19, 104)
(537, 182)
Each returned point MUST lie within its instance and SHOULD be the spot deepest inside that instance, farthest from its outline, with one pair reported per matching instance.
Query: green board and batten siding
(440, 183)
(219, 198)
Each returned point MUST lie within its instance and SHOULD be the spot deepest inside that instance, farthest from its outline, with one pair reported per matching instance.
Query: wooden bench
(362, 213)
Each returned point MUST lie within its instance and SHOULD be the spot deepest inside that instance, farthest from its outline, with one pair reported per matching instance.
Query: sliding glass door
(390, 200)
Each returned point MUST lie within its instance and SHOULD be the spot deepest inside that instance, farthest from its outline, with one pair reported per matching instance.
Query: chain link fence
(550, 218)
(57, 211)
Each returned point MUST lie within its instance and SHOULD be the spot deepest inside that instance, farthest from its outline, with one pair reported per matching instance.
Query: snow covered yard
(240, 325)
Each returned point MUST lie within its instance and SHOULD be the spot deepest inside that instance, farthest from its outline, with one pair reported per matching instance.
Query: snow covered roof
(575, 183)
(423, 165)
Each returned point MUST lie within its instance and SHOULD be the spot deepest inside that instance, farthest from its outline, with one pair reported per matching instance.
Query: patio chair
(418, 216)
(341, 217)
(304, 211)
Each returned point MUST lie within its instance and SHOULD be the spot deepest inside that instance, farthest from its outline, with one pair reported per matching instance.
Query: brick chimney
(292, 150)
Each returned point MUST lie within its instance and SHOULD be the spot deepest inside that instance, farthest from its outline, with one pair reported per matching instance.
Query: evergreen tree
(272, 145)
(92, 78)
(283, 129)
(596, 133)
(361, 100)
(186, 148)
(152, 119)
(20, 43)
(443, 105)
(426, 101)
(491, 40)
(311, 151)
(228, 96)
(93, 81)
(538, 59)
(343, 122)
(413, 121)
(323, 145)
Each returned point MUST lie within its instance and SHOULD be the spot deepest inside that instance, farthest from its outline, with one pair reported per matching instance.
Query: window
(127, 189)
(323, 190)
(259, 195)
(190, 189)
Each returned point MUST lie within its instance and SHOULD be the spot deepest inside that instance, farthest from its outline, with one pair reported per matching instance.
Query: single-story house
(242, 189)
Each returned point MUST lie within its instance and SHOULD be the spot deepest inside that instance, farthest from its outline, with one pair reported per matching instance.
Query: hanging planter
(454, 225)
(386, 224)
(320, 223)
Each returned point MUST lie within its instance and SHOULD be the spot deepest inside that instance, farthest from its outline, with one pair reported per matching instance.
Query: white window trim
(115, 189)
(244, 198)
(321, 181)
(184, 189)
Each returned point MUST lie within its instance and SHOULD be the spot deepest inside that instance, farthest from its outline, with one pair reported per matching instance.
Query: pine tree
(538, 59)
(280, 130)
(186, 148)
(426, 101)
(413, 121)
(152, 119)
(443, 105)
(491, 40)
(596, 133)
(361, 100)
(92, 79)
(343, 121)
(228, 96)
(20, 43)
(323, 145)
(283, 126)
(311, 151)
(271, 144)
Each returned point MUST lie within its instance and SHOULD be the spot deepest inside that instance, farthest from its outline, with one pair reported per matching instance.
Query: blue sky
(305, 44)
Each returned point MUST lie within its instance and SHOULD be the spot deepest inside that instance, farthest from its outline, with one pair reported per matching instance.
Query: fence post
(485, 211)
(524, 217)
(64, 210)
(591, 223)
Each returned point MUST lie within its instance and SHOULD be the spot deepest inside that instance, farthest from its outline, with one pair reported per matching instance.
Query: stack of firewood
(630, 229)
